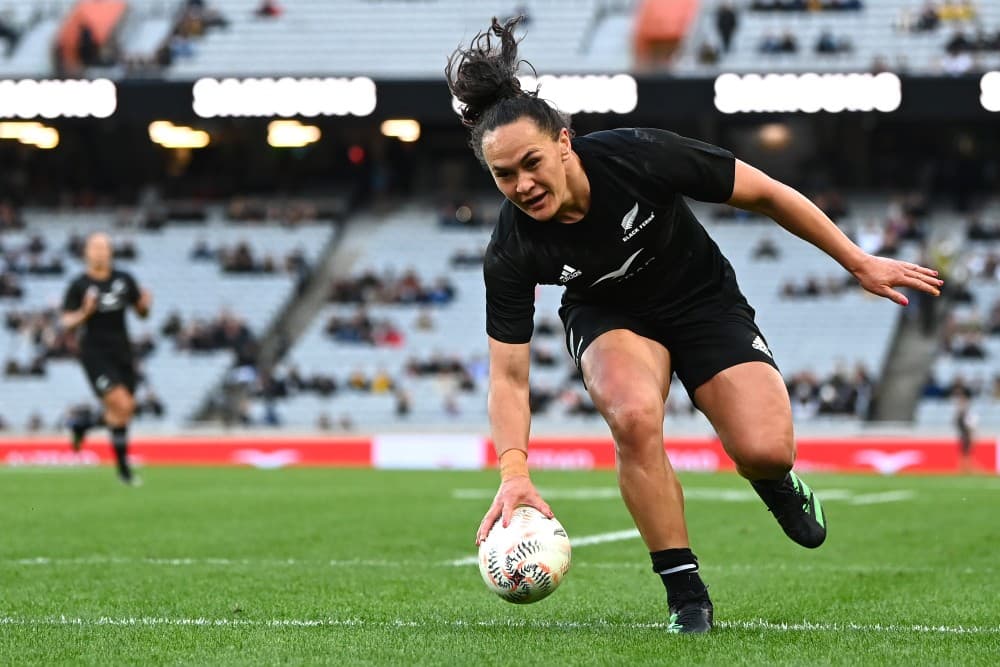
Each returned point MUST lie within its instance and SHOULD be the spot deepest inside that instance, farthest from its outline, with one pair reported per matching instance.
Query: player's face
(97, 252)
(529, 166)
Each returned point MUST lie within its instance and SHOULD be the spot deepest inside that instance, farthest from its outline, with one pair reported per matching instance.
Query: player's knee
(120, 407)
(633, 421)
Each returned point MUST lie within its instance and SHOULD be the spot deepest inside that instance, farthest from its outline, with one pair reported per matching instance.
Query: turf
(322, 566)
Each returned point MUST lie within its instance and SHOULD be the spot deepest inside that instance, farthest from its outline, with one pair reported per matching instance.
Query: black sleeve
(73, 298)
(510, 297)
(133, 289)
(688, 166)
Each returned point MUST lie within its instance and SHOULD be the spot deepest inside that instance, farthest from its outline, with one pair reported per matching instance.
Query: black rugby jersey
(105, 330)
(639, 248)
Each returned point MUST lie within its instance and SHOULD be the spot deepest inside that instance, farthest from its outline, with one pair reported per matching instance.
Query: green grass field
(311, 566)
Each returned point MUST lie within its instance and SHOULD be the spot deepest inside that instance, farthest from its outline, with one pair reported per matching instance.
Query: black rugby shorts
(105, 371)
(702, 341)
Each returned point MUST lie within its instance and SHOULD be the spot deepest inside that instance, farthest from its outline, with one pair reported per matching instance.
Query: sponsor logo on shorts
(759, 345)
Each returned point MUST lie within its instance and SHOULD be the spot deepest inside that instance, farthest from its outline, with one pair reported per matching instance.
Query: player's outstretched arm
(754, 190)
(510, 422)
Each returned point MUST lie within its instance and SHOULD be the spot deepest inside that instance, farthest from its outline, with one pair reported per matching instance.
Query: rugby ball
(526, 561)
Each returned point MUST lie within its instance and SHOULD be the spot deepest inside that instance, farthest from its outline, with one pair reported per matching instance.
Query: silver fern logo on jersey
(568, 273)
(621, 271)
(629, 220)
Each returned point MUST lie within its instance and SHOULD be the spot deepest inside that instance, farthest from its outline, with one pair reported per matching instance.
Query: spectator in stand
(993, 321)
(424, 321)
(959, 43)
(8, 33)
(928, 20)
(708, 54)
(828, 44)
(726, 22)
(957, 61)
(404, 405)
(269, 9)
(382, 382)
(951, 10)
(35, 423)
(766, 249)
(10, 216)
(201, 251)
(10, 286)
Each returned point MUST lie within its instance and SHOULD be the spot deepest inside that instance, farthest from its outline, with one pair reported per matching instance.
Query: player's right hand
(90, 300)
(513, 493)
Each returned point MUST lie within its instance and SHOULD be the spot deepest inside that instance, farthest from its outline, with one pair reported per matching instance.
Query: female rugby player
(95, 302)
(647, 293)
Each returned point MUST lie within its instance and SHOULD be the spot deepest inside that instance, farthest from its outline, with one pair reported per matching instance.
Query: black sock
(678, 568)
(119, 442)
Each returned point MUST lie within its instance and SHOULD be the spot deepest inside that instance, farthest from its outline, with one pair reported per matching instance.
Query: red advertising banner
(255, 452)
(885, 456)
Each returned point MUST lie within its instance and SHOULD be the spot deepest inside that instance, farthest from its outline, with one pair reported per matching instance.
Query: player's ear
(565, 146)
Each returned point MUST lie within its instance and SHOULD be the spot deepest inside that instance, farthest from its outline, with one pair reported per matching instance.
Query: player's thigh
(628, 378)
(749, 408)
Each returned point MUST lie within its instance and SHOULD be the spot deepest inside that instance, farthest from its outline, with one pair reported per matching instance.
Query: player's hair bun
(486, 72)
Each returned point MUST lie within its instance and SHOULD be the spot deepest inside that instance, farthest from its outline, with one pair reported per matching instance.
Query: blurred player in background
(95, 304)
(648, 293)
(965, 425)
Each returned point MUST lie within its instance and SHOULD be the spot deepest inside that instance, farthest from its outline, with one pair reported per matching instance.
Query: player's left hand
(879, 275)
(143, 304)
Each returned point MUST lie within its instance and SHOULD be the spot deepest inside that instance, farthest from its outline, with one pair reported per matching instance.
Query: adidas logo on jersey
(568, 273)
(759, 345)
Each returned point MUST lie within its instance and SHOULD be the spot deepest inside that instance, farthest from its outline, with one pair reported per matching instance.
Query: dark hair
(484, 79)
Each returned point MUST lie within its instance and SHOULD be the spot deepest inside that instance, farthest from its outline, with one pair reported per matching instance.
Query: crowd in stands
(31, 257)
(811, 287)
(195, 19)
(361, 328)
(805, 5)
(240, 258)
(467, 259)
(844, 392)
(226, 331)
(932, 15)
(409, 288)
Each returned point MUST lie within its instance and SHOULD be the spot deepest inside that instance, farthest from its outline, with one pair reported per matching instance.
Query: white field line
(878, 498)
(586, 540)
(600, 624)
(44, 561)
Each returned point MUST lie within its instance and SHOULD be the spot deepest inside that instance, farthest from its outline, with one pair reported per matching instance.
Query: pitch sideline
(750, 624)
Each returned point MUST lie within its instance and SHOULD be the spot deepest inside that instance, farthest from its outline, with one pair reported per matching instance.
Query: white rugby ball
(528, 559)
